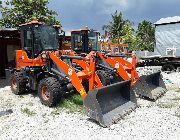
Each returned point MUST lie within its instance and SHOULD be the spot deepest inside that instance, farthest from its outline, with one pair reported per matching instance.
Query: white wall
(167, 36)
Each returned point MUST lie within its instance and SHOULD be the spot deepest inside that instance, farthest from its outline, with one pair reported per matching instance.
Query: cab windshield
(85, 41)
(47, 36)
(93, 41)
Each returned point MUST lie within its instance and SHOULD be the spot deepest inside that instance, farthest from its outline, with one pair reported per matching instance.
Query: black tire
(18, 83)
(49, 91)
(116, 78)
(104, 77)
(168, 67)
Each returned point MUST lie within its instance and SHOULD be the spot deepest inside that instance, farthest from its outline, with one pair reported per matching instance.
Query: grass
(46, 121)
(30, 104)
(165, 105)
(28, 112)
(55, 112)
(169, 104)
(177, 90)
(21, 96)
(176, 99)
(44, 115)
(177, 114)
(72, 103)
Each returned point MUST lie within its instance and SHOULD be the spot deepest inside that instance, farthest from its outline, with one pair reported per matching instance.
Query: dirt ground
(24, 117)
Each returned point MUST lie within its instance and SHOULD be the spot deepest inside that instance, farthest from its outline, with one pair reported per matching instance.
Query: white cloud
(111, 5)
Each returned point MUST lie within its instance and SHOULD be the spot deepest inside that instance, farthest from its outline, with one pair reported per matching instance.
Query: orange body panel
(89, 69)
(124, 68)
(22, 60)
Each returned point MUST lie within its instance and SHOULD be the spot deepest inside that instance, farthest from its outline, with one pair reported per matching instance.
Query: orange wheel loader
(85, 41)
(41, 67)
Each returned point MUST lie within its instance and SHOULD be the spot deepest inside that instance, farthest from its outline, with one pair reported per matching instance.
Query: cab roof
(32, 23)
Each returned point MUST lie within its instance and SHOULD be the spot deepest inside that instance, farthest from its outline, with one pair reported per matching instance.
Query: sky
(75, 14)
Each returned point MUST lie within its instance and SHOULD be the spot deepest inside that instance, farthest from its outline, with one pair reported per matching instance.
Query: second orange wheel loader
(85, 42)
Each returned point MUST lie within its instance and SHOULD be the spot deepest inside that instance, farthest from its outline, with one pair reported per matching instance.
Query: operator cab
(37, 37)
(84, 40)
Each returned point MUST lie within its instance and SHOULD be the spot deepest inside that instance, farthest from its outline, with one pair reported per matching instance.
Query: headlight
(44, 56)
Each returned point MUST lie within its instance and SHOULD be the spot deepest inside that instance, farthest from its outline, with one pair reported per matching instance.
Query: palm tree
(146, 35)
(115, 27)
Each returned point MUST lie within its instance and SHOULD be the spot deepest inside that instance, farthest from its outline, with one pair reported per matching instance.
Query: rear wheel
(18, 83)
(49, 91)
(168, 67)
(116, 78)
(104, 77)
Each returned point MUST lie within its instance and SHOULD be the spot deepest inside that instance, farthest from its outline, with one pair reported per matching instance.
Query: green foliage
(146, 36)
(122, 32)
(177, 115)
(129, 37)
(72, 103)
(16, 12)
(28, 112)
(166, 105)
(115, 27)
(176, 99)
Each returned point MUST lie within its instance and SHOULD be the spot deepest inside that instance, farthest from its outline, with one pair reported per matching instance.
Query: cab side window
(77, 42)
(28, 43)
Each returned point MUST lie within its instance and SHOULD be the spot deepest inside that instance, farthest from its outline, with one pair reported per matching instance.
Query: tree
(146, 36)
(115, 27)
(121, 31)
(129, 37)
(16, 12)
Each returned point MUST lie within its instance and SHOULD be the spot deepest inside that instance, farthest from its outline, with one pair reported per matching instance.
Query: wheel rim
(45, 93)
(14, 84)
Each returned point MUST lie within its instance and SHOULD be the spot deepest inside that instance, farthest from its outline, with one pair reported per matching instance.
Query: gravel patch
(32, 120)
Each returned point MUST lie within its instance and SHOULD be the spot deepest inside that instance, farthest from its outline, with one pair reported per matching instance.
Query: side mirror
(62, 34)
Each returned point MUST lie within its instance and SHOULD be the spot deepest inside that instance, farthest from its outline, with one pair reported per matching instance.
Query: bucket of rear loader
(110, 103)
(150, 86)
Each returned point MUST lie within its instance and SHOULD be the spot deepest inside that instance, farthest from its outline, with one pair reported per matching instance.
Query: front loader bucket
(151, 86)
(110, 103)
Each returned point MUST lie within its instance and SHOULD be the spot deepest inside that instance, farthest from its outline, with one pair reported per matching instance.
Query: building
(167, 34)
(9, 42)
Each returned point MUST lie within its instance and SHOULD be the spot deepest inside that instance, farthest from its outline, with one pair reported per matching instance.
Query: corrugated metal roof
(168, 20)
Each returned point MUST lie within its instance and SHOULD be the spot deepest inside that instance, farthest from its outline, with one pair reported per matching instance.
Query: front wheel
(49, 91)
(104, 77)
